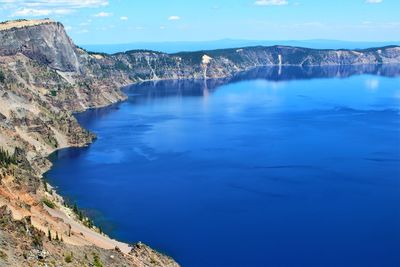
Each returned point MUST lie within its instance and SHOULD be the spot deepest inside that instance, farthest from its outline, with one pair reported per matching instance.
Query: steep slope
(25, 246)
(44, 78)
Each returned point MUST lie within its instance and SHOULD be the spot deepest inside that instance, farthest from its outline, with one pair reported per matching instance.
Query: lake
(272, 167)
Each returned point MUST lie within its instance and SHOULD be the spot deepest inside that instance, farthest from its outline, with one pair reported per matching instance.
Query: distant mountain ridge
(175, 47)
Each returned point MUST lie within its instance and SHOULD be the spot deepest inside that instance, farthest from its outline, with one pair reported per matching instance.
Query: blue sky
(124, 21)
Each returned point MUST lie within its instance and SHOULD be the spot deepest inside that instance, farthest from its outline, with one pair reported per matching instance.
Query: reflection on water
(166, 88)
(271, 167)
(274, 74)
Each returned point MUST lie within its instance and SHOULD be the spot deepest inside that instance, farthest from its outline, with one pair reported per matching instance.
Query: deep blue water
(275, 167)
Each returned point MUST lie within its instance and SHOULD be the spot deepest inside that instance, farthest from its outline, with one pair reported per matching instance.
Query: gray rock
(46, 43)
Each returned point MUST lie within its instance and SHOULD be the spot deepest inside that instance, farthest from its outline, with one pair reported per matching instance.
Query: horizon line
(242, 40)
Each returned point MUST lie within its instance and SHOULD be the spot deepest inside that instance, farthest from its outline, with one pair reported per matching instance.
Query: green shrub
(49, 203)
(68, 258)
(121, 66)
(96, 261)
(2, 77)
(45, 186)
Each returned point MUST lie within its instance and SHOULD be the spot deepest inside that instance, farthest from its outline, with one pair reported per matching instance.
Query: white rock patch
(206, 59)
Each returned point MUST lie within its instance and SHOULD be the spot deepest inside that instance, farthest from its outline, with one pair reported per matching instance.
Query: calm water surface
(270, 168)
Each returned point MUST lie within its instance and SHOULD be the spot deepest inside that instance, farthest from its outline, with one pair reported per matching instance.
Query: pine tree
(75, 209)
(45, 186)
(2, 77)
(80, 215)
(49, 234)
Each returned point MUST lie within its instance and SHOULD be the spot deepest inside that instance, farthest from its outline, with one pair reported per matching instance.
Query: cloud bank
(34, 8)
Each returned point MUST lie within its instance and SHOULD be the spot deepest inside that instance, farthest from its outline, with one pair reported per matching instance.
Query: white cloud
(123, 18)
(103, 14)
(174, 18)
(33, 8)
(57, 3)
(373, 1)
(32, 12)
(271, 2)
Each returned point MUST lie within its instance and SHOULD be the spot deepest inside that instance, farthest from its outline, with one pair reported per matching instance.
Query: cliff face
(46, 42)
(227, 62)
(44, 77)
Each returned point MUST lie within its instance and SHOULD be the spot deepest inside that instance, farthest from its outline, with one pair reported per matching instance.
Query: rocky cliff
(45, 42)
(227, 62)
(44, 78)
